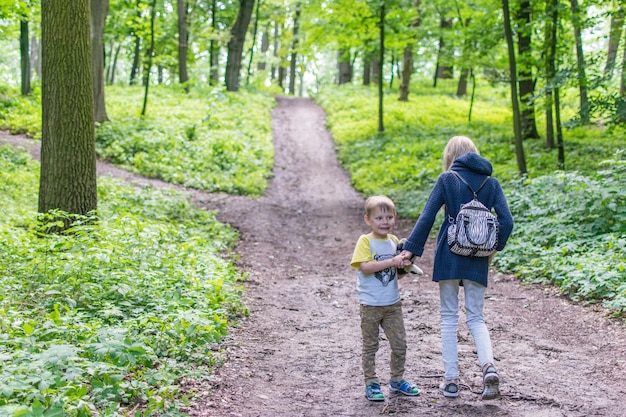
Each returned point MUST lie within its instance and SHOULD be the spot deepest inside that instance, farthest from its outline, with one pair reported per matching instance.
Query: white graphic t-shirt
(380, 288)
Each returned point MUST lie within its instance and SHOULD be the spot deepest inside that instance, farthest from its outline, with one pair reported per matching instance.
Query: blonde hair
(381, 202)
(457, 146)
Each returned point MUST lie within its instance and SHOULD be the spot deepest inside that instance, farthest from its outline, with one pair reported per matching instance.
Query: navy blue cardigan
(450, 192)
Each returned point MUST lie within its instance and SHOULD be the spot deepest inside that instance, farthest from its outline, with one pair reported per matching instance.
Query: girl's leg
(370, 322)
(449, 311)
(393, 325)
(474, 304)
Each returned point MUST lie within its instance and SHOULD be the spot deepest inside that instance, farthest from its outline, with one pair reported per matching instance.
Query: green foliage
(210, 139)
(107, 319)
(570, 230)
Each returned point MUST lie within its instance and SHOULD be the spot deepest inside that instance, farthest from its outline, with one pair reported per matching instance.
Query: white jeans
(449, 310)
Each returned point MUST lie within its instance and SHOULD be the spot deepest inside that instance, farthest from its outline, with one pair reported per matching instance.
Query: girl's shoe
(373, 392)
(404, 387)
(449, 388)
(491, 383)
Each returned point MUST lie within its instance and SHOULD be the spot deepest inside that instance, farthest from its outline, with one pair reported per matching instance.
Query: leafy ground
(298, 354)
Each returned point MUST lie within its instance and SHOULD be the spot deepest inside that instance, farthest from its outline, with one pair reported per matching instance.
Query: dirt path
(298, 354)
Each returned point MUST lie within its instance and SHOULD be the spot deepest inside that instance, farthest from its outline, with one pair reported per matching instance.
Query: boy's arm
(371, 267)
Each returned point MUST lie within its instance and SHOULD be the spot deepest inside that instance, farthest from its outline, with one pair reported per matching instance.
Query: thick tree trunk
(183, 43)
(508, 34)
(24, 57)
(580, 63)
(236, 43)
(68, 156)
(99, 11)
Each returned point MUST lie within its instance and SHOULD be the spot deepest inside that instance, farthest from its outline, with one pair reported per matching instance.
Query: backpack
(474, 232)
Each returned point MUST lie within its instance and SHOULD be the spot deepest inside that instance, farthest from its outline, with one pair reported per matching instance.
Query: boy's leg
(370, 321)
(449, 311)
(393, 325)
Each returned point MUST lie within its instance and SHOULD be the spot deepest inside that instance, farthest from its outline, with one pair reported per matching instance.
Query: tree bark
(265, 46)
(148, 64)
(344, 66)
(25, 57)
(68, 156)
(526, 81)
(213, 47)
(294, 51)
(236, 43)
(381, 61)
(615, 34)
(508, 34)
(99, 11)
(407, 56)
(254, 31)
(580, 63)
(550, 67)
(183, 43)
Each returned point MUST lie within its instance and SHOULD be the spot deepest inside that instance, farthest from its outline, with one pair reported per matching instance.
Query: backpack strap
(469, 186)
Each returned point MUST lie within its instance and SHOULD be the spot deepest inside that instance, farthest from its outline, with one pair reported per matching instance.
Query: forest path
(298, 354)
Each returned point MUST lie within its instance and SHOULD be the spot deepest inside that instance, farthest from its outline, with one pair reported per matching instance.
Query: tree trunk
(461, 88)
(99, 11)
(256, 25)
(183, 43)
(550, 44)
(24, 57)
(213, 47)
(381, 61)
(508, 34)
(580, 63)
(615, 34)
(622, 82)
(265, 46)
(443, 69)
(35, 56)
(149, 54)
(526, 82)
(276, 33)
(134, 70)
(405, 75)
(367, 70)
(345, 67)
(68, 154)
(376, 68)
(236, 43)
(294, 51)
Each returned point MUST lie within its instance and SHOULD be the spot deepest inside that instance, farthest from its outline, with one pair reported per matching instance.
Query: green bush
(109, 317)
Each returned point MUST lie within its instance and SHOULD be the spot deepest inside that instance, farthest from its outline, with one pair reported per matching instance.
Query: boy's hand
(405, 254)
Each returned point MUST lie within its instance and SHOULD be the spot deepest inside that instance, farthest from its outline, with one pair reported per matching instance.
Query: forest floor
(298, 353)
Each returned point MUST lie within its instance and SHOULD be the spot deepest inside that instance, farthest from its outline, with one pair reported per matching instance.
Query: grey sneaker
(491, 383)
(449, 388)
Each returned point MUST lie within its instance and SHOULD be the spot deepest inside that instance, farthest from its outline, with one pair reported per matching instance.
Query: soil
(298, 353)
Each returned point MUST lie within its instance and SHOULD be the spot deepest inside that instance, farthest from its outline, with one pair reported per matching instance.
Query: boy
(377, 282)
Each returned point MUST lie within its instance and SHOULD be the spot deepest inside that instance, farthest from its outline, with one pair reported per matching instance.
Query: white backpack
(474, 232)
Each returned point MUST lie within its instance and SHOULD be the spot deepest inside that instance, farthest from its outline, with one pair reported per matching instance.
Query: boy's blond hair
(381, 202)
(457, 146)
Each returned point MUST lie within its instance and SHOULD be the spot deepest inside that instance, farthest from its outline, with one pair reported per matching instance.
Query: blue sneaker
(404, 387)
(373, 392)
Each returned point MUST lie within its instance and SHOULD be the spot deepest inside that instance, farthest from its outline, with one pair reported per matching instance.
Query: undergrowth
(107, 319)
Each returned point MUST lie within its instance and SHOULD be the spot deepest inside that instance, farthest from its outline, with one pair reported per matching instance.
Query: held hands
(400, 262)
(405, 254)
